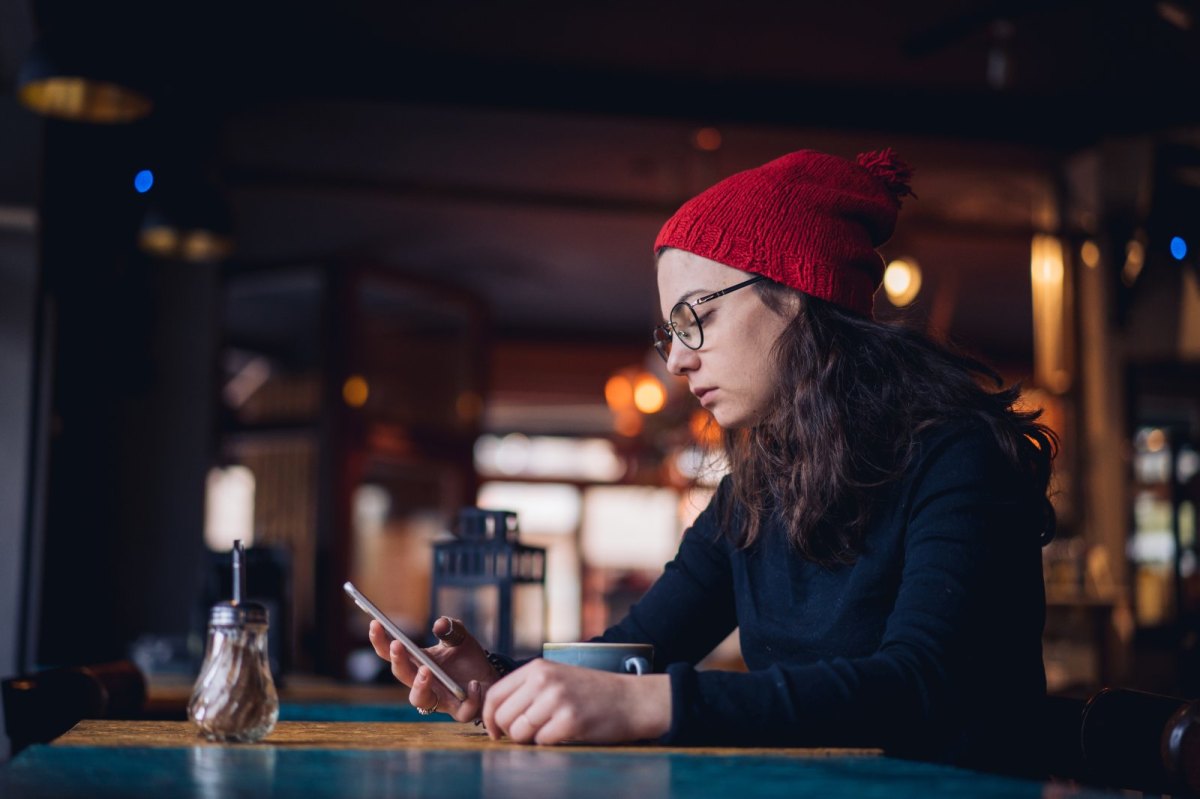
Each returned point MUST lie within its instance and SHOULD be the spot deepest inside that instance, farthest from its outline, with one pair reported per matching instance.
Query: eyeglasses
(684, 325)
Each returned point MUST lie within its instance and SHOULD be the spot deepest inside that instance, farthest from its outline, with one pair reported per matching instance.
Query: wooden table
(372, 736)
(164, 759)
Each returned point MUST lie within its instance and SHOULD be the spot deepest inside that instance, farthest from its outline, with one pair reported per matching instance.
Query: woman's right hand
(458, 653)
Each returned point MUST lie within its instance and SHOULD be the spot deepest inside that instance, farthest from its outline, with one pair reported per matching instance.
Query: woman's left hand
(549, 703)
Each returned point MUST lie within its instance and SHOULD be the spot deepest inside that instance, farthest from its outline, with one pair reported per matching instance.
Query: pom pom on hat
(808, 220)
(891, 171)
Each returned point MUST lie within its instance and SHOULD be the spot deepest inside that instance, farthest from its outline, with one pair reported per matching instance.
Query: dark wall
(128, 428)
(164, 456)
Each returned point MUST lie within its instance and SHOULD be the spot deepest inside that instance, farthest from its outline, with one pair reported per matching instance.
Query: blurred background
(317, 276)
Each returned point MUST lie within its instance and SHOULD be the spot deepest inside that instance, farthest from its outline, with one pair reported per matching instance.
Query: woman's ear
(795, 304)
(780, 299)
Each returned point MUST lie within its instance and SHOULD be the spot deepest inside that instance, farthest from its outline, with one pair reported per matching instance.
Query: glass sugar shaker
(234, 699)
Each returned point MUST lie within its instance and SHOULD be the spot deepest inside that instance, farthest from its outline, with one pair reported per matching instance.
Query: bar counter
(351, 759)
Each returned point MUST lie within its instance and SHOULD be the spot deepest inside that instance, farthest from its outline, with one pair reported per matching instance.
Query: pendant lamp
(70, 79)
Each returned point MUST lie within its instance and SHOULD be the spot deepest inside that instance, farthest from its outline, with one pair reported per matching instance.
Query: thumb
(451, 632)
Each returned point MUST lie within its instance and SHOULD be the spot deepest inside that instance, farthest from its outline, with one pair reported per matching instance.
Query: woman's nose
(681, 360)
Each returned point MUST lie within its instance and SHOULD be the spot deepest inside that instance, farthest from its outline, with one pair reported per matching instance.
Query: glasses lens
(687, 326)
(662, 341)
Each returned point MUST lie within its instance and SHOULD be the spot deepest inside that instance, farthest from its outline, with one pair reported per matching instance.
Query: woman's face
(733, 373)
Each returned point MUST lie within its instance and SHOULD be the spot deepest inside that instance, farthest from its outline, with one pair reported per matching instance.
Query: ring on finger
(448, 635)
(426, 711)
(453, 636)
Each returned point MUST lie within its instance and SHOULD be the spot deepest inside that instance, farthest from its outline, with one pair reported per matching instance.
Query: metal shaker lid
(227, 614)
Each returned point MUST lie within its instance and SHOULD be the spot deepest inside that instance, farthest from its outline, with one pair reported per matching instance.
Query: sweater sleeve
(690, 608)
(960, 512)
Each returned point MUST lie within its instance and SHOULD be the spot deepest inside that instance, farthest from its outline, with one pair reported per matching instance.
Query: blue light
(1178, 248)
(143, 181)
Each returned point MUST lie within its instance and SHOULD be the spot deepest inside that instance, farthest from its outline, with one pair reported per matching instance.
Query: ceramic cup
(619, 658)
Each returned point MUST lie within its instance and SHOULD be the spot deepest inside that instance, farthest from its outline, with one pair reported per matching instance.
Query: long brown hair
(852, 398)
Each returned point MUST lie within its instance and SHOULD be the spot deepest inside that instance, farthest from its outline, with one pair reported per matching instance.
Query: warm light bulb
(1049, 271)
(902, 281)
(618, 392)
(203, 245)
(898, 280)
(1090, 253)
(160, 240)
(84, 100)
(355, 391)
(1135, 259)
(648, 394)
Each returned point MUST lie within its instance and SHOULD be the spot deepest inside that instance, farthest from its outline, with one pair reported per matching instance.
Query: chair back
(1142, 741)
(42, 706)
(124, 688)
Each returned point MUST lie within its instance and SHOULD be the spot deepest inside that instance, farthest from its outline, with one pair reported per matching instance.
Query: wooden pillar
(1106, 194)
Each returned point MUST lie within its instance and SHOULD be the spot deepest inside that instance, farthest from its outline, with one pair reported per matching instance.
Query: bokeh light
(902, 281)
(1179, 248)
(143, 181)
(1090, 254)
(707, 139)
(649, 396)
(355, 391)
(618, 392)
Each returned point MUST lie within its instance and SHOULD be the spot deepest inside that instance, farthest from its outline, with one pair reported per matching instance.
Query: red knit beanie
(808, 220)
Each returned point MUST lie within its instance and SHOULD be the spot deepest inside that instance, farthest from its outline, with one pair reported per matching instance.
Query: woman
(877, 542)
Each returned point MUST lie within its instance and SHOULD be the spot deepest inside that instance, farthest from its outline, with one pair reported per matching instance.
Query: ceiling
(550, 217)
(527, 152)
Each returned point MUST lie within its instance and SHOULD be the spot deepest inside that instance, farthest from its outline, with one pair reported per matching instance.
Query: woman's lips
(701, 393)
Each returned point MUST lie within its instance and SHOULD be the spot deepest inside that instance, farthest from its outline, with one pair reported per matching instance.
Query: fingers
(429, 694)
(531, 725)
(379, 639)
(497, 696)
(425, 692)
(393, 652)
(451, 632)
(423, 695)
(403, 668)
(516, 716)
(472, 707)
(533, 713)
(559, 728)
(520, 704)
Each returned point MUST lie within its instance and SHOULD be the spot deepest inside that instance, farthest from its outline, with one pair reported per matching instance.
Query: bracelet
(500, 664)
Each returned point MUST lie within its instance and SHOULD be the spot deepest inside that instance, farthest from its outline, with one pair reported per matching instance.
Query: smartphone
(418, 654)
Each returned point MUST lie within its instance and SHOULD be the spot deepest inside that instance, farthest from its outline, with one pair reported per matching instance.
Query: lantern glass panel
(529, 619)
(477, 606)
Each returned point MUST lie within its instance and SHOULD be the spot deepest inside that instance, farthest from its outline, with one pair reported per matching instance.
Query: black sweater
(929, 645)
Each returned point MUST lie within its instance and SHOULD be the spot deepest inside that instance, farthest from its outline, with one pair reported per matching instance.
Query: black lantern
(492, 582)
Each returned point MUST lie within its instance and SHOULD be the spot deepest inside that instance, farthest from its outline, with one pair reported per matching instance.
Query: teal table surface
(486, 769)
(45, 771)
